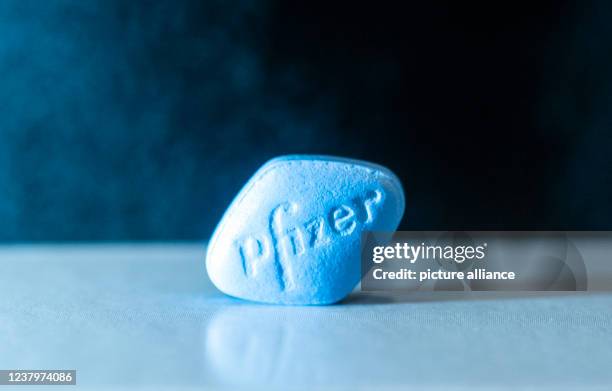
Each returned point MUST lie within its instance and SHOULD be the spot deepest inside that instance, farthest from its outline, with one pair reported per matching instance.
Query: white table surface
(145, 316)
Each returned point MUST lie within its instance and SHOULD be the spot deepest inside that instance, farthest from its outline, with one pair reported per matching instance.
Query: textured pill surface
(292, 235)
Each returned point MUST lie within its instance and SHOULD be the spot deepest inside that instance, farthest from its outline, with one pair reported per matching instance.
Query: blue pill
(292, 235)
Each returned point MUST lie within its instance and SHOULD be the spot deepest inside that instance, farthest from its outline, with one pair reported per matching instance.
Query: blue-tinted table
(145, 316)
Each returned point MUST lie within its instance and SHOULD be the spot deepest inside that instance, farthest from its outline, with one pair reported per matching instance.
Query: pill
(292, 234)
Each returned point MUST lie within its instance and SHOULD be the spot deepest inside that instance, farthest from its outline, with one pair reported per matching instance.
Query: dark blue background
(134, 120)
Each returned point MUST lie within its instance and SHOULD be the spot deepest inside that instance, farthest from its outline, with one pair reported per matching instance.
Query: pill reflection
(304, 346)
